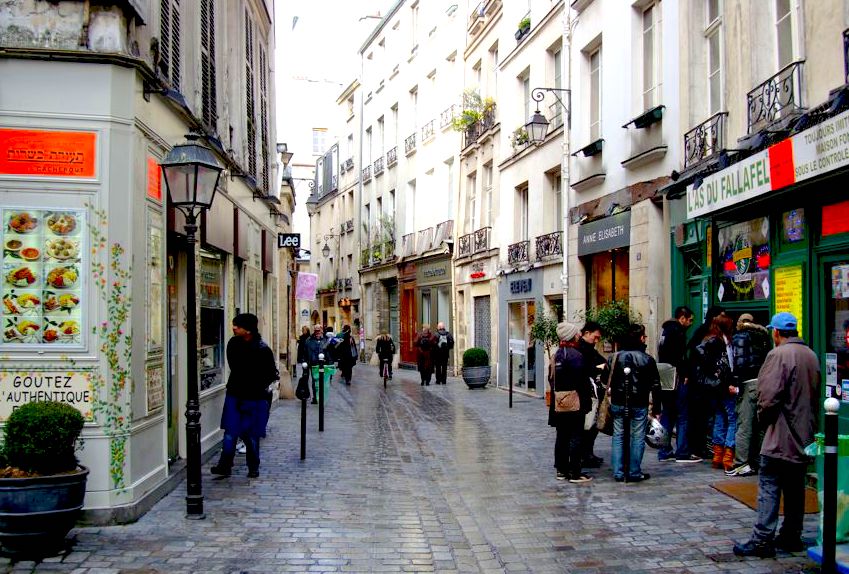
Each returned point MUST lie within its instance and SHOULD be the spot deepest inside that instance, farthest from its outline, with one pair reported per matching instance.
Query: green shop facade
(770, 233)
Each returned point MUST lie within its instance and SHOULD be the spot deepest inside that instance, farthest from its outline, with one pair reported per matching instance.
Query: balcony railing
(349, 283)
(775, 98)
(471, 134)
(392, 157)
(365, 257)
(410, 144)
(464, 245)
(366, 173)
(444, 232)
(488, 119)
(378, 166)
(334, 182)
(424, 242)
(518, 252)
(447, 116)
(481, 239)
(349, 164)
(427, 130)
(705, 140)
(349, 226)
(408, 245)
(549, 245)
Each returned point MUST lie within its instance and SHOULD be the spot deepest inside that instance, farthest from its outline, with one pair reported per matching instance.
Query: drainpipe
(565, 167)
(358, 204)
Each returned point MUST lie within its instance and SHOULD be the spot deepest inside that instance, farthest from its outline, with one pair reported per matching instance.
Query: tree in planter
(614, 317)
(476, 368)
(544, 329)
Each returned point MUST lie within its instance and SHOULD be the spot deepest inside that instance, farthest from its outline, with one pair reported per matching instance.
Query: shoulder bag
(605, 414)
(564, 401)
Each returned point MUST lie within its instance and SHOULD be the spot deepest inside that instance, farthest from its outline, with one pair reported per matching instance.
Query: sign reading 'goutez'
(605, 234)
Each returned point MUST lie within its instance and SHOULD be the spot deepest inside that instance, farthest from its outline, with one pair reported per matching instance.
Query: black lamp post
(191, 177)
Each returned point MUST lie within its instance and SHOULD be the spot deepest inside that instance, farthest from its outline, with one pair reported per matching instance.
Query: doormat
(745, 490)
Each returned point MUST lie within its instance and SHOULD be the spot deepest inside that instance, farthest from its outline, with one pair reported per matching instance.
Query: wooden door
(409, 325)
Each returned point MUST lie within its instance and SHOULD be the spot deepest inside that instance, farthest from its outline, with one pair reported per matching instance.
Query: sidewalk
(428, 479)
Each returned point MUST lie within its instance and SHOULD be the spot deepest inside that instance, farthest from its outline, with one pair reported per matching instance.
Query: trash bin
(817, 450)
(329, 371)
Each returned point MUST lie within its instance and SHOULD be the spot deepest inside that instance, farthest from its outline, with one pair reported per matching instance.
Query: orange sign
(154, 180)
(37, 152)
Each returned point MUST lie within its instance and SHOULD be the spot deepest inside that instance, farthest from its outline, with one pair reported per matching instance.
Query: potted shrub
(42, 485)
(614, 318)
(524, 27)
(544, 330)
(519, 138)
(476, 368)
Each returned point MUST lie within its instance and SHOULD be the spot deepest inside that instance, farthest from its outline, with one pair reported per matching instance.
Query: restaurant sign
(47, 153)
(71, 387)
(605, 234)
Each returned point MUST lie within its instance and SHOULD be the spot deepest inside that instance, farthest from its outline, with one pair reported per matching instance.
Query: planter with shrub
(42, 485)
(476, 368)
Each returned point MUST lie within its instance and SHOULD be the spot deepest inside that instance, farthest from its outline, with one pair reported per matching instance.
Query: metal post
(510, 374)
(626, 429)
(321, 392)
(194, 482)
(829, 507)
(304, 421)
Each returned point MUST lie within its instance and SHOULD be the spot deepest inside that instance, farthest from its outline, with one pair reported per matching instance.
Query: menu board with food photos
(42, 282)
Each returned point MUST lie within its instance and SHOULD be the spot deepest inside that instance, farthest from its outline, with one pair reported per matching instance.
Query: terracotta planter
(477, 377)
(37, 513)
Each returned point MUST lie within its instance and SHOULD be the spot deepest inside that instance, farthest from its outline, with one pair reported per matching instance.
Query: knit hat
(567, 331)
(247, 321)
(745, 318)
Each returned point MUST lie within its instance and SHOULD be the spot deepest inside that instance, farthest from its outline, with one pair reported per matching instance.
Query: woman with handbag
(570, 403)
(425, 344)
(717, 384)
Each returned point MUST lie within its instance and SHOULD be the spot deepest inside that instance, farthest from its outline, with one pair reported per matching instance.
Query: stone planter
(477, 377)
(37, 513)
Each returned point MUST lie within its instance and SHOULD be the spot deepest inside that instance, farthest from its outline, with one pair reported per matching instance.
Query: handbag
(590, 417)
(605, 413)
(566, 402)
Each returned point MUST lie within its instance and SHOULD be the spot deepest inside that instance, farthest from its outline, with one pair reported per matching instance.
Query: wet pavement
(427, 479)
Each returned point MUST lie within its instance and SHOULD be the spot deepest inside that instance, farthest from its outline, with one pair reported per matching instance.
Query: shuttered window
(250, 112)
(169, 44)
(209, 100)
(263, 120)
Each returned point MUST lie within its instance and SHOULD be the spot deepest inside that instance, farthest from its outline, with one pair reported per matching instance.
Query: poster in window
(743, 261)
(155, 282)
(43, 276)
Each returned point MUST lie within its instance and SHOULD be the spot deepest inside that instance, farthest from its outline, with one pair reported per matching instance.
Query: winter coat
(672, 346)
(643, 379)
(788, 391)
(385, 348)
(313, 348)
(440, 353)
(592, 358)
(711, 364)
(425, 344)
(750, 345)
(252, 370)
(346, 350)
(570, 374)
(302, 349)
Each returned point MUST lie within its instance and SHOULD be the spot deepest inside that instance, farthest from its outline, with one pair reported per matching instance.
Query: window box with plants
(524, 28)
(519, 139)
(42, 485)
(476, 368)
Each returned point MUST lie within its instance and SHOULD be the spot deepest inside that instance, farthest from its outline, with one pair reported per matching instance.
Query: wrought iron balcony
(366, 173)
(705, 140)
(518, 252)
(342, 167)
(488, 119)
(388, 249)
(549, 245)
(408, 245)
(427, 130)
(425, 240)
(481, 239)
(340, 284)
(378, 166)
(471, 134)
(349, 225)
(349, 283)
(464, 245)
(447, 116)
(365, 257)
(776, 98)
(410, 144)
(392, 157)
(349, 164)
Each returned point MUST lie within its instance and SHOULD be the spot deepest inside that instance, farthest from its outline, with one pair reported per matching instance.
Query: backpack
(713, 372)
(443, 341)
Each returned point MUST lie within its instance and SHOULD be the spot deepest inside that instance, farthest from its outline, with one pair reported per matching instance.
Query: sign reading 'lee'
(46, 153)
(292, 240)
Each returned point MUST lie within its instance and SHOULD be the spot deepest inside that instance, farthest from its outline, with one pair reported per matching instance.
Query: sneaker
(665, 459)
(787, 545)
(640, 478)
(691, 458)
(561, 476)
(752, 548)
(253, 474)
(241, 448)
(746, 470)
(580, 479)
(220, 470)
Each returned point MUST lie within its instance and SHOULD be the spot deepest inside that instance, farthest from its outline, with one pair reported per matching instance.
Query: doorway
(834, 334)
(409, 325)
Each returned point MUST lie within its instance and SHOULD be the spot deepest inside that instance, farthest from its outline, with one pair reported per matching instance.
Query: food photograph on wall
(43, 252)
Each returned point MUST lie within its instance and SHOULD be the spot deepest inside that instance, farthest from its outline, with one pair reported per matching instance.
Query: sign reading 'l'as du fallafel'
(742, 181)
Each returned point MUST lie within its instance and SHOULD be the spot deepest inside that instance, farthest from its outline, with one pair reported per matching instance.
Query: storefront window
(609, 272)
(793, 226)
(211, 319)
(744, 260)
(520, 318)
(837, 325)
(44, 262)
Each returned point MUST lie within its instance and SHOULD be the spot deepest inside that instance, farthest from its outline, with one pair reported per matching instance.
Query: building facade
(94, 263)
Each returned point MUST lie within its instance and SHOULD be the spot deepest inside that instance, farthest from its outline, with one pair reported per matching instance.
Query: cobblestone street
(427, 479)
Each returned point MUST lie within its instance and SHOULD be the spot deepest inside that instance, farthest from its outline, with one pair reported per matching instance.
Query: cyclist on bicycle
(385, 349)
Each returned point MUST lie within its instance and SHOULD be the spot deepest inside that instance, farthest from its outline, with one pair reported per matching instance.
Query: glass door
(836, 306)
(520, 317)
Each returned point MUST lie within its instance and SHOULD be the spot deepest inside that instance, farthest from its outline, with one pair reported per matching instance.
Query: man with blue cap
(788, 385)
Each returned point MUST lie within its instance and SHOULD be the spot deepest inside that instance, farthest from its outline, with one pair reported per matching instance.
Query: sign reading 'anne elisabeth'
(605, 234)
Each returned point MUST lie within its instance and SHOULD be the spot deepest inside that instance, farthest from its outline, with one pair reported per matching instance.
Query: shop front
(603, 248)
(771, 233)
(520, 297)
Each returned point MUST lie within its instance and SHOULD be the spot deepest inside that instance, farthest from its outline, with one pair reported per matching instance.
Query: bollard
(510, 375)
(829, 506)
(304, 420)
(626, 429)
(321, 392)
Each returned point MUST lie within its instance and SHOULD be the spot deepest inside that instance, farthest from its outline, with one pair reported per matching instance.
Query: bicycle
(384, 369)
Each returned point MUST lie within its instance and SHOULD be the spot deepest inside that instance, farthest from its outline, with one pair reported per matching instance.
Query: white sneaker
(241, 448)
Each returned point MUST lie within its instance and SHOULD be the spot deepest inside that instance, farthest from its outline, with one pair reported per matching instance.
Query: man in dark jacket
(672, 351)
(597, 367)
(314, 347)
(788, 388)
(385, 348)
(632, 388)
(441, 352)
(750, 344)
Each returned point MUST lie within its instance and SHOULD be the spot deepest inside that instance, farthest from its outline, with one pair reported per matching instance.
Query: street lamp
(191, 177)
(537, 128)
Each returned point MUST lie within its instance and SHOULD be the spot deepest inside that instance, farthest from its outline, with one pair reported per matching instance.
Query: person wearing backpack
(444, 344)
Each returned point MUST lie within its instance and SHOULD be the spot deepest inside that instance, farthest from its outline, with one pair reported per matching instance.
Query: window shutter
(263, 111)
(208, 74)
(250, 118)
(169, 42)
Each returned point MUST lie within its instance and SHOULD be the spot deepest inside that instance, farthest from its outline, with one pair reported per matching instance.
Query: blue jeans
(725, 421)
(638, 440)
(228, 451)
(675, 414)
(776, 477)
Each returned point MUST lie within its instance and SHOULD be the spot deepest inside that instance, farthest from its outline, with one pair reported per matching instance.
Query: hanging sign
(46, 153)
(292, 240)
(605, 234)
(306, 286)
(154, 179)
